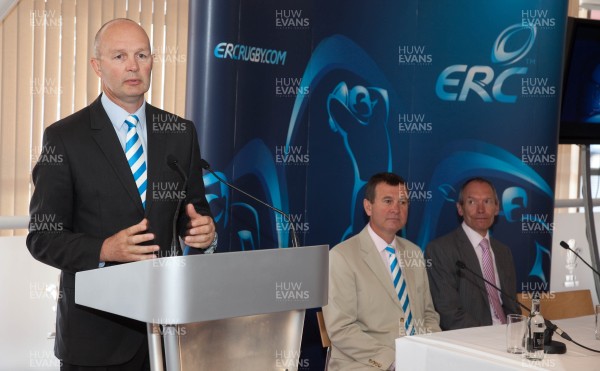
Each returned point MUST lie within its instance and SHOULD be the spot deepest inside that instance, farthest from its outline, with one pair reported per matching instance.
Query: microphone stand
(550, 346)
(174, 165)
(293, 235)
(567, 247)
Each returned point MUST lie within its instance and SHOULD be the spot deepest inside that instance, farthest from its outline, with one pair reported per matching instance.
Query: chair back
(559, 305)
(324, 337)
(323, 331)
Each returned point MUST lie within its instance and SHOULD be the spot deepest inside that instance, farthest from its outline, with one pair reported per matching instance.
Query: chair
(559, 305)
(324, 337)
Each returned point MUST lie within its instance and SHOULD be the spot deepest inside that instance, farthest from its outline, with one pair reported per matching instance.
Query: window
(45, 74)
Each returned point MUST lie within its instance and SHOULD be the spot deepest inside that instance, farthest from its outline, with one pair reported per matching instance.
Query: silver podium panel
(262, 342)
(197, 288)
(229, 311)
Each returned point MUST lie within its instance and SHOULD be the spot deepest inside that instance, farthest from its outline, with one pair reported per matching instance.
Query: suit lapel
(373, 260)
(499, 263)
(104, 134)
(156, 156)
(470, 258)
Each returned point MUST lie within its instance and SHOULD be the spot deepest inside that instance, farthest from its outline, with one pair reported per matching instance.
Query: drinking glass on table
(516, 330)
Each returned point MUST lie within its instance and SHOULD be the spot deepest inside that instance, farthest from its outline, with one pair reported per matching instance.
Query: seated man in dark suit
(462, 300)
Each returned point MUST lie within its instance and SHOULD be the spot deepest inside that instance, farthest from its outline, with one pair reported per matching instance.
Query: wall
(28, 293)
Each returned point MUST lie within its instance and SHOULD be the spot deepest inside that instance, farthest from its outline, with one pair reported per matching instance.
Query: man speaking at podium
(95, 204)
(378, 287)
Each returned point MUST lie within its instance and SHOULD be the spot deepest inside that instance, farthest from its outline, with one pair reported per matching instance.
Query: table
(484, 348)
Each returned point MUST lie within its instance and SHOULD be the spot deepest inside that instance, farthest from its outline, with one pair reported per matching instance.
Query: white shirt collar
(379, 242)
(117, 114)
(474, 237)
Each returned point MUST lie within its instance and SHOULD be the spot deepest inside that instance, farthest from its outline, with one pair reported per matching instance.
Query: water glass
(516, 333)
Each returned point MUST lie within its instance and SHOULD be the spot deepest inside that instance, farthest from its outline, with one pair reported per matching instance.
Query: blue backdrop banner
(300, 102)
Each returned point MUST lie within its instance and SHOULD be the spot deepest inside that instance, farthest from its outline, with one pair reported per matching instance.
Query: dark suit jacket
(459, 297)
(84, 193)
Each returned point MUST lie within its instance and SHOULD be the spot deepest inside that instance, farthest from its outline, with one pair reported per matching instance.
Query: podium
(224, 311)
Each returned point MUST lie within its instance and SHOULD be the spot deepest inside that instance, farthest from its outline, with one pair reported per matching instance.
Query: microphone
(550, 346)
(461, 265)
(567, 247)
(174, 164)
(295, 243)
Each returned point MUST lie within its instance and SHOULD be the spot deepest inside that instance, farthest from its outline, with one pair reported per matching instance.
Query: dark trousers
(140, 362)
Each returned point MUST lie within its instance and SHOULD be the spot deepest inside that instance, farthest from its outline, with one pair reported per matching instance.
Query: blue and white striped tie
(401, 291)
(134, 151)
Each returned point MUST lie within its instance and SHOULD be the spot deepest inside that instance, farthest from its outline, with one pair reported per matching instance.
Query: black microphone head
(565, 245)
(460, 264)
(172, 162)
(204, 164)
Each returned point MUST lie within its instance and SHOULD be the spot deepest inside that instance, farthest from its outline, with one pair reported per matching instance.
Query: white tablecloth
(484, 349)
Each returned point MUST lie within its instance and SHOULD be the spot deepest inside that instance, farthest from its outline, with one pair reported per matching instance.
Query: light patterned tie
(401, 291)
(490, 275)
(134, 151)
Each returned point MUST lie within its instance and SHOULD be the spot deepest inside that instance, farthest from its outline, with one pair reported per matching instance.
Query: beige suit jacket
(363, 312)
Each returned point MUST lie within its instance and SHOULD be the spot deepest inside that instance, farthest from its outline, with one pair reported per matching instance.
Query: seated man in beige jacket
(378, 285)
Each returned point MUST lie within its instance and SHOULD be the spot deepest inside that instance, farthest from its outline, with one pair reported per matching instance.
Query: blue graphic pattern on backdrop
(256, 162)
(450, 89)
(478, 93)
(355, 114)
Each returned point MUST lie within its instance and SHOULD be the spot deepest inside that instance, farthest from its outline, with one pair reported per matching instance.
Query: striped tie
(134, 151)
(490, 275)
(401, 291)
